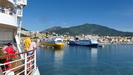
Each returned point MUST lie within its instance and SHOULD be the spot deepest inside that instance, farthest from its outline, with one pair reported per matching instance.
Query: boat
(11, 13)
(84, 42)
(55, 42)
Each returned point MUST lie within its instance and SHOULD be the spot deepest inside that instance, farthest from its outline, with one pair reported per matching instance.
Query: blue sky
(44, 14)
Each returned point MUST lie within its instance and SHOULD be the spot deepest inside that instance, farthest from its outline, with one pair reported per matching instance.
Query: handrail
(24, 64)
(16, 54)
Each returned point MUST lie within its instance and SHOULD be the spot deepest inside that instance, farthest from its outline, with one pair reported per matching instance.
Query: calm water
(80, 60)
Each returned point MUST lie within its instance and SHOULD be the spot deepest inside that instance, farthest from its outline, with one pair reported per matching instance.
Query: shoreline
(122, 43)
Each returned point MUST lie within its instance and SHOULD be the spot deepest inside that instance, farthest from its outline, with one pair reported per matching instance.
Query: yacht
(11, 13)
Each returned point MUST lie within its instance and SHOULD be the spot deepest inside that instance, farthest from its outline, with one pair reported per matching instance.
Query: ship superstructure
(11, 13)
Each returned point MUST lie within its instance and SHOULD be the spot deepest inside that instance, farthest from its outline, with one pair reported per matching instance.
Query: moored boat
(55, 42)
(84, 42)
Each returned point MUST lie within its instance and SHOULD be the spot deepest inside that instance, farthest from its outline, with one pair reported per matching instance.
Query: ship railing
(20, 65)
(7, 10)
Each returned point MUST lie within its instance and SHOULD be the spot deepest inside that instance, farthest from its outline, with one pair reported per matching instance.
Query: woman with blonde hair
(30, 55)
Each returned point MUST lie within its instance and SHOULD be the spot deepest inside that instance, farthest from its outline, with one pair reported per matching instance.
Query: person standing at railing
(30, 55)
(9, 50)
(33, 46)
(27, 42)
(4, 60)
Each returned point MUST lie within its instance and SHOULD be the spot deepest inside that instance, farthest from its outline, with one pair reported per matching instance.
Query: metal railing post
(25, 64)
(35, 58)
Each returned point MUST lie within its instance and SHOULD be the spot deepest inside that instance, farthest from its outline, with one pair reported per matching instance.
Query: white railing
(21, 2)
(22, 64)
(7, 10)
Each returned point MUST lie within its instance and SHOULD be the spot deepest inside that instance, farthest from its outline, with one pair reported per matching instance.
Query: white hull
(36, 72)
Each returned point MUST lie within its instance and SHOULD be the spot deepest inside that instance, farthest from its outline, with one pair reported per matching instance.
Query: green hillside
(88, 29)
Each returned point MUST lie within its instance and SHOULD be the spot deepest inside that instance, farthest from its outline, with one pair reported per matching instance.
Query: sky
(39, 15)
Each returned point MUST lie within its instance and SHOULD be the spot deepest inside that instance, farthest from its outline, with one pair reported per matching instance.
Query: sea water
(83, 60)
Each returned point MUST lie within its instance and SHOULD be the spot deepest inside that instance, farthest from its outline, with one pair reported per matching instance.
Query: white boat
(55, 42)
(10, 26)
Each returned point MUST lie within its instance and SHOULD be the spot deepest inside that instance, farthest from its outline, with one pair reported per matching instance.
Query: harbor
(82, 60)
(62, 37)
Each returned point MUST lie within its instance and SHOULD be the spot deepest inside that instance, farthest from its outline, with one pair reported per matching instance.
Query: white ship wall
(6, 35)
(8, 19)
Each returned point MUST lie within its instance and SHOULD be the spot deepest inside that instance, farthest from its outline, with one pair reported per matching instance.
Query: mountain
(24, 29)
(52, 29)
(93, 29)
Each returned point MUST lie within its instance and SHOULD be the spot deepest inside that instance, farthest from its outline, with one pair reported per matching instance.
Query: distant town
(66, 38)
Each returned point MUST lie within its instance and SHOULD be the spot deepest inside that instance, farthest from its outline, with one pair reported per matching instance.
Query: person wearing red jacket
(9, 50)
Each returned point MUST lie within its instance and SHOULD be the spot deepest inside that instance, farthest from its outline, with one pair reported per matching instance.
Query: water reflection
(58, 57)
(58, 54)
(94, 52)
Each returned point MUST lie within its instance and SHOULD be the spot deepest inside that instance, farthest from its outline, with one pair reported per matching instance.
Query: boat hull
(53, 45)
(83, 44)
(36, 72)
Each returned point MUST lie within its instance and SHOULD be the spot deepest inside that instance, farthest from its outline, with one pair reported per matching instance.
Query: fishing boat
(11, 12)
(55, 42)
(84, 42)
